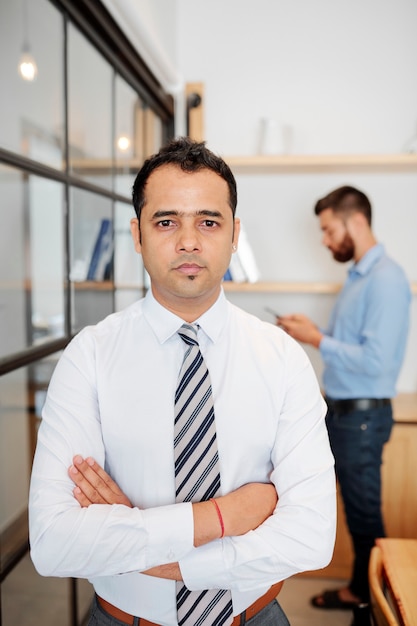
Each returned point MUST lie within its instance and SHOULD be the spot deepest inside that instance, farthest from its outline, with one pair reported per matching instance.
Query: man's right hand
(93, 485)
(301, 328)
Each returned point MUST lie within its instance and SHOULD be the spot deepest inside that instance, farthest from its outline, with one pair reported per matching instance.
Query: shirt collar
(365, 264)
(166, 324)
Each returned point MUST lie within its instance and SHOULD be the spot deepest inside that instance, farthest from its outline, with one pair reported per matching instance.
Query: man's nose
(188, 238)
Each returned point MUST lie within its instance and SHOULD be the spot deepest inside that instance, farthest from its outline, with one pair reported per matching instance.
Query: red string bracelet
(219, 515)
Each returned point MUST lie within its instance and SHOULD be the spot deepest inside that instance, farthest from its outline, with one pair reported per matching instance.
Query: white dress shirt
(112, 397)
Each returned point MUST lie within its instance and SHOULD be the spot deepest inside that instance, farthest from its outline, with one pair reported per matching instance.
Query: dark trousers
(357, 439)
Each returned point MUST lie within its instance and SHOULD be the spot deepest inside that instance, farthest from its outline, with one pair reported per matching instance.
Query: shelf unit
(313, 163)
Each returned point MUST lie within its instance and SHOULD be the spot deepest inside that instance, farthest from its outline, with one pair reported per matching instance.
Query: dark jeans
(357, 439)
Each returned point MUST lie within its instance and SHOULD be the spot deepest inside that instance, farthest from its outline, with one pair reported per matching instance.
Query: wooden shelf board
(282, 287)
(274, 163)
(289, 287)
(92, 285)
(331, 162)
(259, 287)
(141, 289)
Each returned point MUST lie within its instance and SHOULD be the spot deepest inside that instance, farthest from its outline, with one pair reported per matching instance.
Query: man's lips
(189, 268)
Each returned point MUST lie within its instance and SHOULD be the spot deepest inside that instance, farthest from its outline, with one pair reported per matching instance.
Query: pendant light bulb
(27, 68)
(123, 143)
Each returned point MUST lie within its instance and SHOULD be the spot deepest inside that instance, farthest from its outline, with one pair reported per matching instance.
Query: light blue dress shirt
(363, 347)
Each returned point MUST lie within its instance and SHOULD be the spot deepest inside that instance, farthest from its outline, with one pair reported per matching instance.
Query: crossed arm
(242, 510)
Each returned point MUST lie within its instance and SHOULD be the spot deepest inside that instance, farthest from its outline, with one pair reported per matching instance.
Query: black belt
(357, 404)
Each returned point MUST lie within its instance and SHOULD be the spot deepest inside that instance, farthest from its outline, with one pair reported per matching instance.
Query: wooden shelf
(299, 163)
(289, 287)
(282, 287)
(92, 285)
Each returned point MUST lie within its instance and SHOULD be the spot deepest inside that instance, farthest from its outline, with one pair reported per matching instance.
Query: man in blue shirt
(362, 349)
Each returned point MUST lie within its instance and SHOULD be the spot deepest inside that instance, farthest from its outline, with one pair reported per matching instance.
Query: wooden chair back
(382, 613)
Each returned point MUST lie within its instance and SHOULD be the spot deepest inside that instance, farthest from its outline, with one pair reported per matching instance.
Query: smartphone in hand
(272, 312)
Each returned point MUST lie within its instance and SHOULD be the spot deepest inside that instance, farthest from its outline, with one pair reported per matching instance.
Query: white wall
(342, 73)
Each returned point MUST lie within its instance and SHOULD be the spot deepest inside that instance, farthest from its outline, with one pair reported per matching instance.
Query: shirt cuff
(213, 575)
(328, 346)
(170, 533)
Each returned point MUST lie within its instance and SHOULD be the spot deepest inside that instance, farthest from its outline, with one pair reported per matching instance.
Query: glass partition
(129, 134)
(32, 105)
(32, 281)
(90, 123)
(91, 257)
(46, 258)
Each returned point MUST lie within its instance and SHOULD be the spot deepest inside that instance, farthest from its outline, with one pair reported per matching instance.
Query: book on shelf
(101, 258)
(243, 267)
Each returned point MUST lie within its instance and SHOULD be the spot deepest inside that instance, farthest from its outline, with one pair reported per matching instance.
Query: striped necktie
(197, 474)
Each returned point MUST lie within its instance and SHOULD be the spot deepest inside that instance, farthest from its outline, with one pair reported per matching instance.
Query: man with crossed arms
(110, 405)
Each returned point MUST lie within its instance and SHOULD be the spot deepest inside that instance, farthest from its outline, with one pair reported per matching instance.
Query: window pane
(91, 257)
(32, 260)
(89, 111)
(47, 253)
(129, 136)
(154, 132)
(32, 112)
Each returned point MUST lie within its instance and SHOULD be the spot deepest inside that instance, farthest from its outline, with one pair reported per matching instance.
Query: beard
(345, 251)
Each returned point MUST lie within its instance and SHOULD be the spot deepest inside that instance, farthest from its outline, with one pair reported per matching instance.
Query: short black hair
(190, 156)
(346, 200)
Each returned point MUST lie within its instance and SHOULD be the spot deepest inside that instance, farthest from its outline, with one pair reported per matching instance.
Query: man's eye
(165, 223)
(209, 223)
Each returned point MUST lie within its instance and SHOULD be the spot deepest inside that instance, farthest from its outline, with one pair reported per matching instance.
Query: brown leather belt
(252, 610)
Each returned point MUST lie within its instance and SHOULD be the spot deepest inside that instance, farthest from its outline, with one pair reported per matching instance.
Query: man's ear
(135, 230)
(236, 231)
(356, 223)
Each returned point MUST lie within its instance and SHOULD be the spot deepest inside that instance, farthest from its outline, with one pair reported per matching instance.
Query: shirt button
(171, 556)
(364, 426)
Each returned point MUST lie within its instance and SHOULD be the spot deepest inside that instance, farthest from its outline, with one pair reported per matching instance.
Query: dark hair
(345, 200)
(190, 156)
